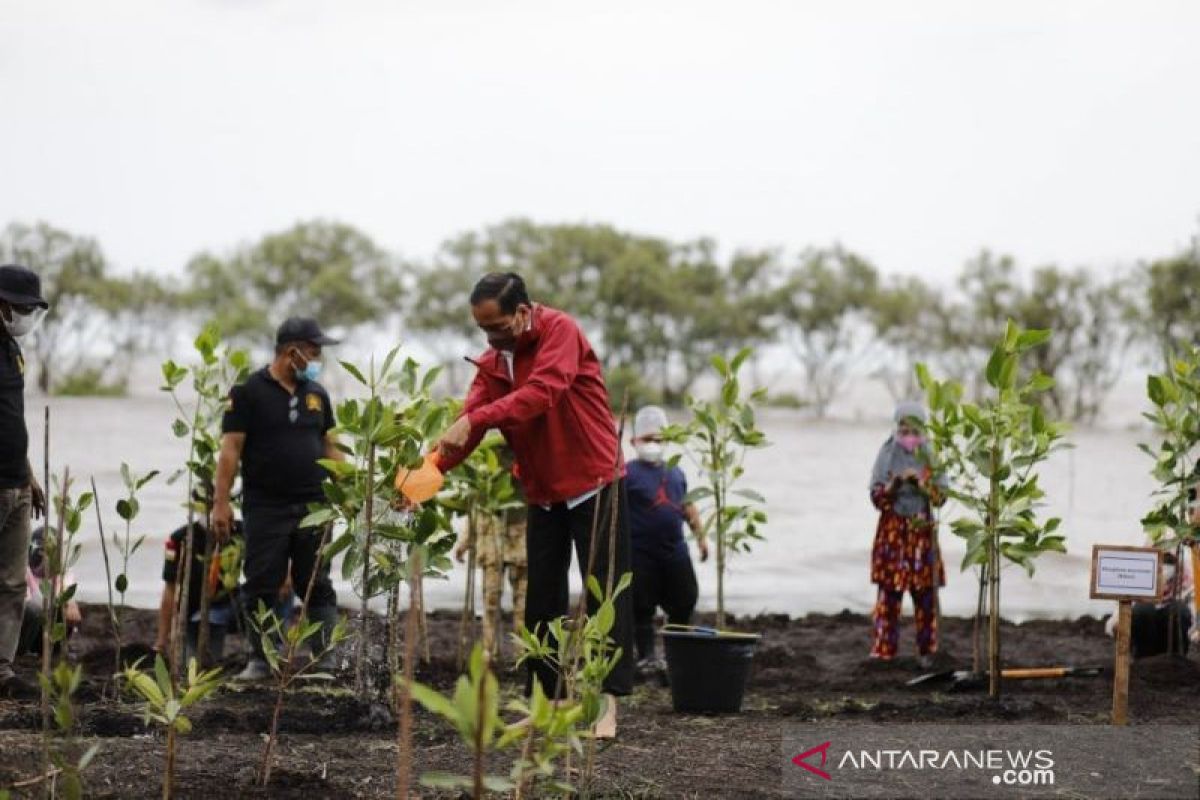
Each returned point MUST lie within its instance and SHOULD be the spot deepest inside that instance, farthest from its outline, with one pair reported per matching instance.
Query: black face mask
(509, 338)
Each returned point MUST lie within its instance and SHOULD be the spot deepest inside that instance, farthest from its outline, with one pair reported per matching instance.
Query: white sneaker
(256, 670)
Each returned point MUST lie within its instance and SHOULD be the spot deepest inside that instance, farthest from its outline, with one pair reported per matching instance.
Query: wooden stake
(1120, 712)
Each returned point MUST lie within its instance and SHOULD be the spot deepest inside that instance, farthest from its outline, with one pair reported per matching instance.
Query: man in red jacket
(540, 384)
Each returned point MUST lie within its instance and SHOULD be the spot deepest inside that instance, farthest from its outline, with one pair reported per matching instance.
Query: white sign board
(1125, 573)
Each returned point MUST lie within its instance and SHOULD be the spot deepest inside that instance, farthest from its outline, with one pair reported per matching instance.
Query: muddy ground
(806, 670)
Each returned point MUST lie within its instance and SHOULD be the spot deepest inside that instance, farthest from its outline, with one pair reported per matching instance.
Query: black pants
(273, 539)
(669, 584)
(1150, 629)
(548, 541)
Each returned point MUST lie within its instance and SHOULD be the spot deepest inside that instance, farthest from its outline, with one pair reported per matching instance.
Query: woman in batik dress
(906, 487)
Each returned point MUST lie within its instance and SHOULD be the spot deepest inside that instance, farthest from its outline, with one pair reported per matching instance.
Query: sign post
(1124, 574)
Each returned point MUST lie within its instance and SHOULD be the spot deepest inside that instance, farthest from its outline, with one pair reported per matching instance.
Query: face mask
(311, 370)
(23, 324)
(650, 451)
(910, 441)
(508, 339)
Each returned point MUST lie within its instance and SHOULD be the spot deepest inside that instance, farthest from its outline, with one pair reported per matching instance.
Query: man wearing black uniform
(277, 426)
(21, 309)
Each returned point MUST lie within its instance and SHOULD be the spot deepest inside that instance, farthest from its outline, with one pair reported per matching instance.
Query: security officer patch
(312, 402)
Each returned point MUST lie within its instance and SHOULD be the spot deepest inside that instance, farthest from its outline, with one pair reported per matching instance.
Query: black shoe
(15, 688)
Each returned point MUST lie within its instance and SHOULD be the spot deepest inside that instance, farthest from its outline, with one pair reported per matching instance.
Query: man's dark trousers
(273, 538)
(550, 536)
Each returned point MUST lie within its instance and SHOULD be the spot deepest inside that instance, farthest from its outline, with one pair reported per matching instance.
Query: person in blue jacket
(663, 576)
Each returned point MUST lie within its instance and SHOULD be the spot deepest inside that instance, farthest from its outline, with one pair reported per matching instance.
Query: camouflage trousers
(493, 588)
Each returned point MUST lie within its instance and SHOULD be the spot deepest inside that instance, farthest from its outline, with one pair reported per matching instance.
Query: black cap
(302, 329)
(21, 286)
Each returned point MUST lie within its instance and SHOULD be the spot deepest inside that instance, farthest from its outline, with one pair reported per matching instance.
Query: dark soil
(807, 670)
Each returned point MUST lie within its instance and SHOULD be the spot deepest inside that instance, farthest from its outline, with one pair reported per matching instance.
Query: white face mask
(650, 451)
(23, 324)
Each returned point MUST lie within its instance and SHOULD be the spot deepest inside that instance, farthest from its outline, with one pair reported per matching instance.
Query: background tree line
(655, 309)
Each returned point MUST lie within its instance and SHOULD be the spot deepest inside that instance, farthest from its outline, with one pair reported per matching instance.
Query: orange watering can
(422, 483)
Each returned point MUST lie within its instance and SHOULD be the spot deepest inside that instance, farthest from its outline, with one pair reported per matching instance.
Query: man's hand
(702, 545)
(37, 498)
(222, 520)
(455, 437)
(460, 550)
(73, 615)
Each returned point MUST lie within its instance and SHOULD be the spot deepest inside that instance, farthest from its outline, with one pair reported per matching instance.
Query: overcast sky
(913, 132)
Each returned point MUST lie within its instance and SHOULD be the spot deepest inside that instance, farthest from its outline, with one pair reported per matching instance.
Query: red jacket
(554, 414)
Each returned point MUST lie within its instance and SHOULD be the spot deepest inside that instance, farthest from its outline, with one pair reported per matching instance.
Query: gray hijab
(894, 460)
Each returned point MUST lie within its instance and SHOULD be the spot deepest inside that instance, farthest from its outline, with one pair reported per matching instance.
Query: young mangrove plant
(379, 433)
(284, 663)
(125, 546)
(716, 440)
(219, 368)
(481, 491)
(474, 711)
(65, 778)
(990, 452)
(163, 705)
(583, 654)
(1175, 397)
(60, 552)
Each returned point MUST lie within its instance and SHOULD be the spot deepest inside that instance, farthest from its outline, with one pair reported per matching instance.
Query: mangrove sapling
(284, 666)
(64, 681)
(219, 369)
(127, 508)
(377, 436)
(480, 489)
(583, 654)
(474, 711)
(716, 440)
(990, 452)
(60, 552)
(1175, 396)
(548, 731)
(164, 705)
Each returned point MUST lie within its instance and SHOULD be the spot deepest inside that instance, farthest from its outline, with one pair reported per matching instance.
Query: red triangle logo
(802, 760)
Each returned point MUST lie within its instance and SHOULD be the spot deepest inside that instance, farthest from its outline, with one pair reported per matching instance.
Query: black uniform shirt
(285, 435)
(14, 436)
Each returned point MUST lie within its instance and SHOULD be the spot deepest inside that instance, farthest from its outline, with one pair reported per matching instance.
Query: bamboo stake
(403, 692)
(204, 634)
(364, 614)
(466, 623)
(112, 611)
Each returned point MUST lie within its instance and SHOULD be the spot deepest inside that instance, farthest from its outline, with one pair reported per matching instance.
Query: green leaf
(180, 428)
(1027, 340)
(121, 583)
(1011, 335)
(994, 366)
(354, 371)
(127, 508)
(1154, 388)
(445, 780)
(1008, 372)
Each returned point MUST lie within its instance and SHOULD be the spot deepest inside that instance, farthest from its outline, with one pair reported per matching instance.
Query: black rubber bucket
(708, 668)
